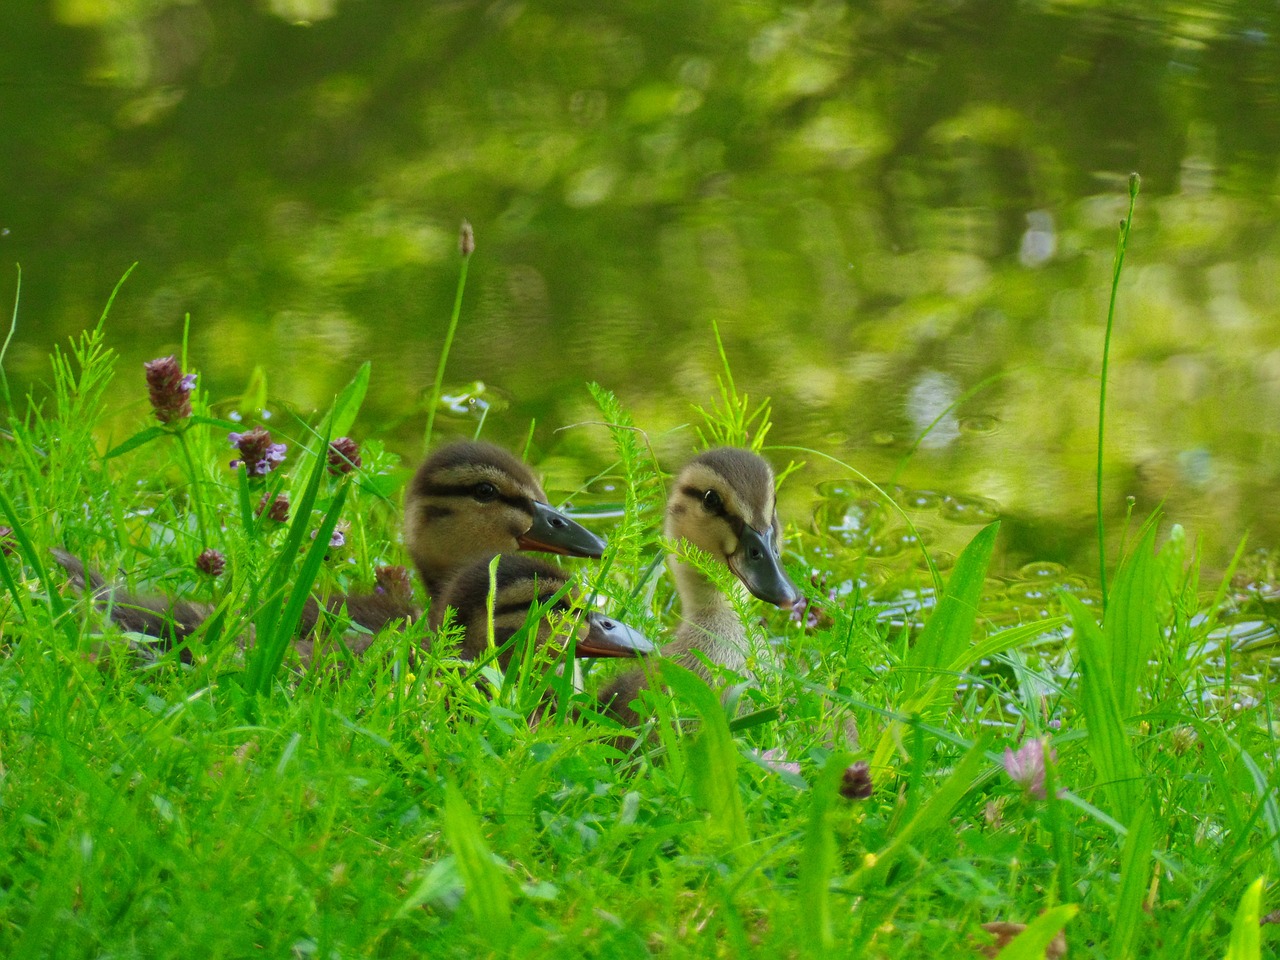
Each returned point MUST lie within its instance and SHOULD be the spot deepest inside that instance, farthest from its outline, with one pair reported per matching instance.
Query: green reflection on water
(881, 208)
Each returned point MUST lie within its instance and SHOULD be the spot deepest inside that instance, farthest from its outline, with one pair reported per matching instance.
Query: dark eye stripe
(469, 490)
(699, 495)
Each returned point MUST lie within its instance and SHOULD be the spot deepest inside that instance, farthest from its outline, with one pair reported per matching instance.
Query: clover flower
(211, 563)
(855, 782)
(258, 454)
(1025, 767)
(344, 456)
(277, 510)
(169, 389)
(775, 759)
(394, 581)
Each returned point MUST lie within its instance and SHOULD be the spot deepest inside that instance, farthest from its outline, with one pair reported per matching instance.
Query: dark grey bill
(553, 532)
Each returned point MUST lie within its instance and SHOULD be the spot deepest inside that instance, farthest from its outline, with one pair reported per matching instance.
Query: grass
(219, 804)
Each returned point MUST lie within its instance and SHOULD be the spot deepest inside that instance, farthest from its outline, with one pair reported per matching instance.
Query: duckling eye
(711, 500)
(484, 492)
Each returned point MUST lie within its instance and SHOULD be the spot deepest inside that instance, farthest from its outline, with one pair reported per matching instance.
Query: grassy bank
(1111, 782)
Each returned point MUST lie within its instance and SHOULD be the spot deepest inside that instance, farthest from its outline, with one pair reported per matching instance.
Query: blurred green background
(882, 205)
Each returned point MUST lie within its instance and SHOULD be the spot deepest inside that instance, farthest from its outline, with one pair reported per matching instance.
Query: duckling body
(518, 584)
(723, 502)
(159, 617)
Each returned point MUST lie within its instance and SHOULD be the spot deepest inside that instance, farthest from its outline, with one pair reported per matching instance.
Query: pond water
(899, 214)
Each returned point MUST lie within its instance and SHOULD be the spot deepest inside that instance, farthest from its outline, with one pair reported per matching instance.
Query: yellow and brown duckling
(468, 501)
(519, 584)
(471, 500)
(723, 502)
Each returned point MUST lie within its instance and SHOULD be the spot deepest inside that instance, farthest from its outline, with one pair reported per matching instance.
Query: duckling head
(518, 584)
(470, 500)
(723, 502)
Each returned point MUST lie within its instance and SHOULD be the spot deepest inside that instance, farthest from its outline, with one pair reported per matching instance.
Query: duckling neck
(709, 623)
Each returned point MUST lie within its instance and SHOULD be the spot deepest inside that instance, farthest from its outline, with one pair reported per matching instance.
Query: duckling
(519, 583)
(470, 500)
(159, 617)
(723, 502)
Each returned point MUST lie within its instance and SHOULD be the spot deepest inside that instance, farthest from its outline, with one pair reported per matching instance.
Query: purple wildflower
(6, 541)
(169, 388)
(211, 563)
(855, 782)
(1025, 767)
(344, 456)
(336, 539)
(258, 454)
(278, 510)
(394, 581)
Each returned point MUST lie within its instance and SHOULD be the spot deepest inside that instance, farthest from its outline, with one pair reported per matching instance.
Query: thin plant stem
(1121, 245)
(13, 325)
(467, 246)
(196, 496)
(195, 493)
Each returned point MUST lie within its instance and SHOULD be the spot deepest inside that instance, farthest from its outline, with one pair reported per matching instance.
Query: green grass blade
(1122, 244)
(348, 403)
(4, 348)
(934, 814)
(1003, 642)
(437, 388)
(133, 443)
(712, 757)
(287, 625)
(1135, 869)
(949, 631)
(1246, 943)
(1131, 625)
(1031, 943)
(818, 861)
(273, 633)
(1108, 741)
(57, 608)
(487, 893)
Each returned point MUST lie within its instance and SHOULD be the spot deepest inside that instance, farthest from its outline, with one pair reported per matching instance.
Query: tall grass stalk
(4, 349)
(466, 246)
(1122, 244)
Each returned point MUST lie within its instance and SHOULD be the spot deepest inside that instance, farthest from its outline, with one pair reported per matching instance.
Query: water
(902, 218)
